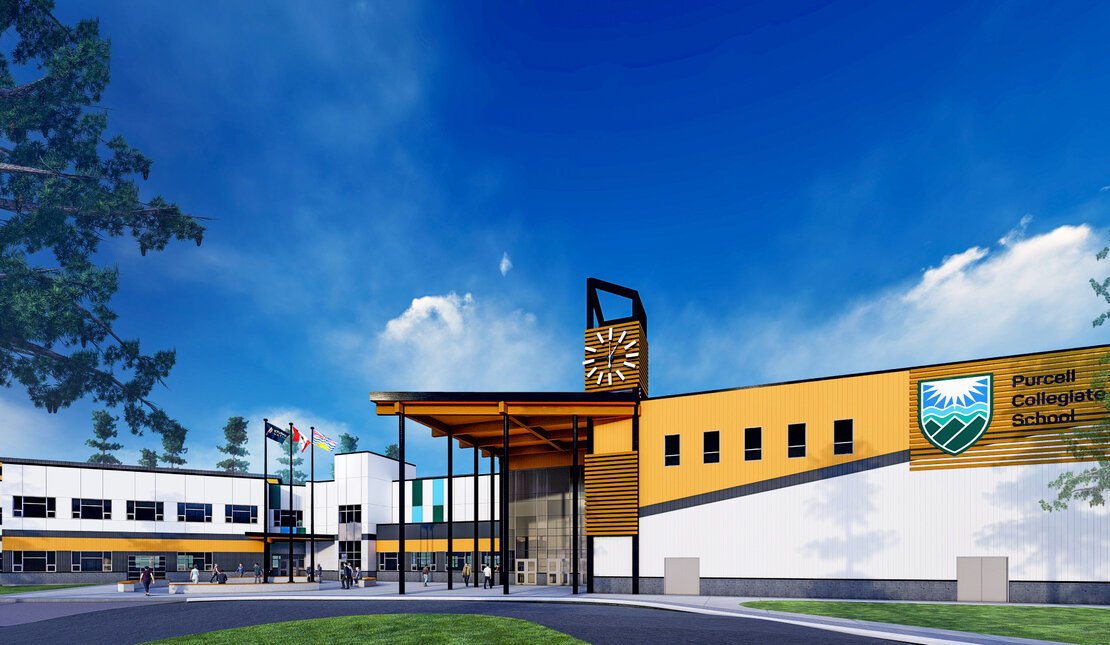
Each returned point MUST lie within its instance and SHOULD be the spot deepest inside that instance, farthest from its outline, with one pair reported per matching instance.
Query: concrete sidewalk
(105, 597)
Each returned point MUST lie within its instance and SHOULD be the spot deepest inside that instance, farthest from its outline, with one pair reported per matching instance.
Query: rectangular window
(350, 513)
(842, 437)
(145, 511)
(92, 560)
(753, 444)
(135, 564)
(26, 561)
(32, 507)
(711, 447)
(458, 560)
(194, 512)
(796, 440)
(92, 509)
(185, 561)
(351, 552)
(387, 561)
(240, 514)
(670, 450)
(283, 518)
(423, 559)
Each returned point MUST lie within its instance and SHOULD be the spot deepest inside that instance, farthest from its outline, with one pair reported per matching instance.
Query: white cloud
(452, 342)
(506, 264)
(1018, 233)
(1104, 189)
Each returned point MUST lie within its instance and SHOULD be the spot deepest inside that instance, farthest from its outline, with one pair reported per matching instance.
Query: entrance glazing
(540, 526)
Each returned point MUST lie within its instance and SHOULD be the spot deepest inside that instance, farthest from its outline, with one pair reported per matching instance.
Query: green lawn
(396, 629)
(1066, 624)
(25, 588)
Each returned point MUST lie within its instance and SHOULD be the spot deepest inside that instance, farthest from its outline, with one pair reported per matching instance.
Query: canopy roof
(540, 423)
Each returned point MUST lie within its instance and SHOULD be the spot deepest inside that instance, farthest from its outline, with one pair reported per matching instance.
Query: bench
(367, 581)
(214, 588)
(135, 585)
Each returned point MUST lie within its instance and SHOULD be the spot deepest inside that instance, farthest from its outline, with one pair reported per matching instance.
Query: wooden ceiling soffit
(539, 432)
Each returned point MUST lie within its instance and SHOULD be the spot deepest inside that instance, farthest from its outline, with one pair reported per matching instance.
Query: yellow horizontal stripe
(436, 546)
(20, 543)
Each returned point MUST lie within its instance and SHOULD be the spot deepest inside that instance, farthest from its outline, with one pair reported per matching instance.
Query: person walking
(344, 579)
(146, 577)
(215, 574)
(319, 572)
(240, 570)
(194, 575)
(426, 573)
(488, 573)
(466, 574)
(350, 577)
(257, 573)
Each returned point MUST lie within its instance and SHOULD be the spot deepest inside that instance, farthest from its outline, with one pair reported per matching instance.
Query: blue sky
(796, 190)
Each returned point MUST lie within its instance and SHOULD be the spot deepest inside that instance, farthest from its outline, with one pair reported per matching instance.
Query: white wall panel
(613, 557)
(887, 523)
(92, 482)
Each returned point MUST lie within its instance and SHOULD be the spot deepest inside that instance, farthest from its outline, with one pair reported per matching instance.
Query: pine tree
(236, 434)
(149, 458)
(392, 451)
(104, 428)
(173, 443)
(348, 443)
(299, 476)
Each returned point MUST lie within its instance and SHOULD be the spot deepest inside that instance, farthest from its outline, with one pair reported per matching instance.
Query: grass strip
(6, 589)
(396, 629)
(1088, 626)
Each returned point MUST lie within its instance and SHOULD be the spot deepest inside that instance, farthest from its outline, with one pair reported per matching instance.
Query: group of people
(348, 575)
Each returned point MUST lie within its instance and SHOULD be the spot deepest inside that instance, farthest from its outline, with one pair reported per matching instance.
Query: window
(796, 440)
(92, 561)
(146, 511)
(32, 507)
(711, 447)
(92, 509)
(350, 513)
(458, 560)
(194, 512)
(185, 561)
(670, 450)
(34, 561)
(842, 437)
(753, 444)
(352, 553)
(283, 518)
(135, 564)
(423, 559)
(240, 514)
(387, 561)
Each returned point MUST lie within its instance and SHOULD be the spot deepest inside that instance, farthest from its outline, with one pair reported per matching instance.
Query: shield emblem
(955, 412)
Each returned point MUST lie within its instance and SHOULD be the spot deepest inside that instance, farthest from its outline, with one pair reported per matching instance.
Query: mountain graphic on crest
(955, 412)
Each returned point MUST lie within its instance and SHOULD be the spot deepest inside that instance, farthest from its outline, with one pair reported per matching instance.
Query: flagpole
(312, 520)
(292, 520)
(266, 505)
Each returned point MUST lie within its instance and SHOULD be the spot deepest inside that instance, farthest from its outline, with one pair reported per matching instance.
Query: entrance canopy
(540, 423)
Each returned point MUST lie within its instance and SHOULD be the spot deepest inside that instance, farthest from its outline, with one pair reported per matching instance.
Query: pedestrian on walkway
(350, 577)
(319, 572)
(215, 574)
(426, 573)
(466, 574)
(240, 570)
(257, 573)
(488, 573)
(146, 577)
(194, 575)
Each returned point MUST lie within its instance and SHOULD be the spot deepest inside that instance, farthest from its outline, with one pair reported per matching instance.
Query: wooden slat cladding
(633, 376)
(1041, 405)
(612, 494)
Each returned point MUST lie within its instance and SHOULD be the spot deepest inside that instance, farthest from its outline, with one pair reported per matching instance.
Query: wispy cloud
(506, 264)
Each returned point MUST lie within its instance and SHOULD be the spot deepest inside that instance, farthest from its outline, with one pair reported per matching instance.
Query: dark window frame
(753, 452)
(385, 559)
(672, 458)
(20, 558)
(240, 514)
(281, 518)
(135, 506)
(794, 449)
(84, 508)
(197, 512)
(352, 549)
(843, 446)
(20, 504)
(710, 456)
(81, 557)
(350, 513)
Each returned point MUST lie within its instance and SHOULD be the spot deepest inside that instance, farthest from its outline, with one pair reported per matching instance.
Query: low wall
(235, 589)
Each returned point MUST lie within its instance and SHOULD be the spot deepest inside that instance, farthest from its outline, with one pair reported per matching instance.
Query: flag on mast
(319, 439)
(276, 433)
(299, 438)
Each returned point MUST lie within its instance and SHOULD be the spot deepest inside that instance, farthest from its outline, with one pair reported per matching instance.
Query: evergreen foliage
(348, 443)
(104, 429)
(148, 458)
(235, 431)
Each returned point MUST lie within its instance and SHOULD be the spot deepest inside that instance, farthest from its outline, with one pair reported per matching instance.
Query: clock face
(613, 357)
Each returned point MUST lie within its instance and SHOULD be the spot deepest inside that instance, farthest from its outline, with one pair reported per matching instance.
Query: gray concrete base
(1083, 593)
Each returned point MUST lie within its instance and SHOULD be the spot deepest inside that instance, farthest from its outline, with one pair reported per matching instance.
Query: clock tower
(616, 349)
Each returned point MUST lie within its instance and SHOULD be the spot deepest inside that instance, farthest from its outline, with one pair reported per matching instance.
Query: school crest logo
(955, 412)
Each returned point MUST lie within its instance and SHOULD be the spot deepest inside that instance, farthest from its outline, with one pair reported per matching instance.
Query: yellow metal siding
(613, 437)
(437, 546)
(1003, 443)
(19, 543)
(612, 500)
(876, 403)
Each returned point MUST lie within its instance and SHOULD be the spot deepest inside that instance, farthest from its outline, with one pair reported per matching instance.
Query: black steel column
(636, 538)
(450, 511)
(266, 502)
(574, 504)
(291, 515)
(491, 513)
(589, 538)
(312, 504)
(401, 502)
(505, 505)
(474, 557)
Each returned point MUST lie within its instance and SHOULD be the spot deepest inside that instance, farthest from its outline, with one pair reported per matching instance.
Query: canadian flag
(299, 438)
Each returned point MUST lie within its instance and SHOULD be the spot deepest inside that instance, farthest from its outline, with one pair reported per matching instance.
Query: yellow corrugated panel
(876, 403)
(436, 546)
(612, 493)
(20, 543)
(1006, 441)
(613, 437)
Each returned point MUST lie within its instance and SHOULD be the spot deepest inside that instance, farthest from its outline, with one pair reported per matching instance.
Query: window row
(101, 509)
(418, 560)
(350, 513)
(843, 443)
